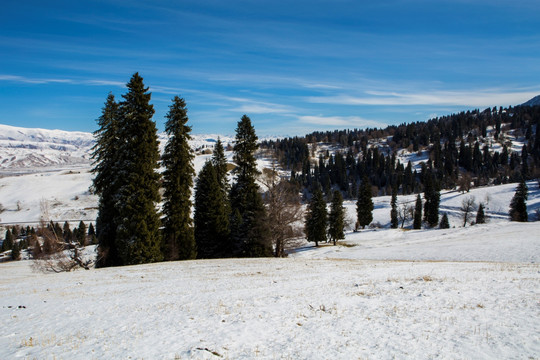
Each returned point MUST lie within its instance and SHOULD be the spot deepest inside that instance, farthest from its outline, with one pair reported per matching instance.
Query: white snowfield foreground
(294, 308)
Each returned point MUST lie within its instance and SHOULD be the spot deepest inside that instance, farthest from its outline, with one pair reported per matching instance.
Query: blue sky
(292, 66)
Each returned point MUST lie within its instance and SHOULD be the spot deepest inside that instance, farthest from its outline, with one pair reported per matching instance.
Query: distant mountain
(533, 102)
(29, 150)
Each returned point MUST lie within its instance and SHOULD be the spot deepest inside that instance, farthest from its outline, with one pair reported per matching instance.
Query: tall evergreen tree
(336, 218)
(211, 216)
(444, 224)
(364, 205)
(15, 251)
(316, 219)
(249, 229)
(137, 235)
(220, 164)
(106, 183)
(7, 244)
(432, 197)
(417, 220)
(518, 205)
(178, 235)
(80, 233)
(394, 222)
(480, 216)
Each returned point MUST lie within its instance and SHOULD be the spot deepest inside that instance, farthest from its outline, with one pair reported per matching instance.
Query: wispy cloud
(442, 98)
(350, 121)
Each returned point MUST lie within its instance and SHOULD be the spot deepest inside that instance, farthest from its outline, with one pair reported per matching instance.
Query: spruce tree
(432, 197)
(178, 236)
(394, 222)
(137, 235)
(316, 219)
(220, 164)
(15, 251)
(106, 182)
(7, 244)
(518, 205)
(336, 218)
(67, 234)
(364, 205)
(249, 230)
(80, 233)
(480, 216)
(211, 216)
(417, 221)
(444, 224)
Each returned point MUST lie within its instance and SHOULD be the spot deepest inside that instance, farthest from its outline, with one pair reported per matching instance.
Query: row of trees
(229, 219)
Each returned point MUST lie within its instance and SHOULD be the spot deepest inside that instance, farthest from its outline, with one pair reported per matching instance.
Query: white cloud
(350, 121)
(471, 98)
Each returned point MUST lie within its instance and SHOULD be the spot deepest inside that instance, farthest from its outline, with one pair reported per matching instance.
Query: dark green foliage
(220, 164)
(126, 160)
(444, 224)
(211, 216)
(80, 234)
(316, 219)
(67, 234)
(15, 251)
(178, 235)
(518, 205)
(394, 222)
(417, 220)
(364, 205)
(106, 183)
(250, 234)
(432, 197)
(138, 236)
(336, 218)
(92, 234)
(480, 216)
(7, 244)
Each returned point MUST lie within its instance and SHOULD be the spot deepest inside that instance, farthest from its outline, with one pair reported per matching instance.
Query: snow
(463, 292)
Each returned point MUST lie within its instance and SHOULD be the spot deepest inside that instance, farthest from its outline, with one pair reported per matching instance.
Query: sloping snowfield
(295, 308)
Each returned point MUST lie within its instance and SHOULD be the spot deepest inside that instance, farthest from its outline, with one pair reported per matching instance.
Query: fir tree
(249, 229)
(316, 219)
(444, 224)
(137, 235)
(92, 234)
(211, 216)
(336, 218)
(364, 205)
(394, 222)
(518, 205)
(417, 220)
(67, 234)
(179, 239)
(15, 251)
(432, 197)
(106, 183)
(80, 233)
(220, 164)
(480, 216)
(7, 244)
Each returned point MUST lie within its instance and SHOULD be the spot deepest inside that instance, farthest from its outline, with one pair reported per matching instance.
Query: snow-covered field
(462, 293)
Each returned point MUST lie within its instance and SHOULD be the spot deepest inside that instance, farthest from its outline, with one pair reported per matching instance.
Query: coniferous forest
(235, 219)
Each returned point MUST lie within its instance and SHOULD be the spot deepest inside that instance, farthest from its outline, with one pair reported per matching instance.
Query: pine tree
(518, 205)
(178, 236)
(211, 216)
(417, 221)
(480, 216)
(67, 234)
(7, 244)
(336, 218)
(220, 164)
(80, 233)
(15, 251)
(316, 219)
(92, 234)
(137, 234)
(364, 205)
(106, 183)
(394, 222)
(432, 197)
(249, 230)
(444, 224)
